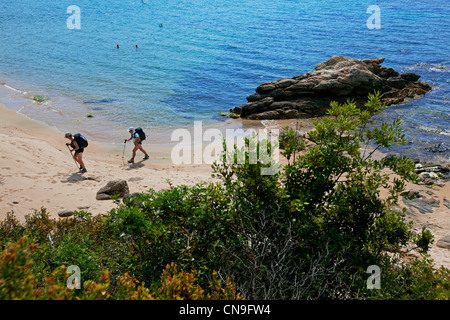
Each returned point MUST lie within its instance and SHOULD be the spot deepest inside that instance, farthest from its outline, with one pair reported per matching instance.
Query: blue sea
(197, 58)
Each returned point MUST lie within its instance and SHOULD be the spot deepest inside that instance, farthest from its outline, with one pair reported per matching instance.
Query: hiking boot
(83, 170)
(131, 160)
(146, 157)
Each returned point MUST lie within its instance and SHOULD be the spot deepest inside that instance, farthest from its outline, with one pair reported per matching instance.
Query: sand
(37, 171)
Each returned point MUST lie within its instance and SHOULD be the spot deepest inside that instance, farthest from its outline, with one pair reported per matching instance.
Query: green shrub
(308, 231)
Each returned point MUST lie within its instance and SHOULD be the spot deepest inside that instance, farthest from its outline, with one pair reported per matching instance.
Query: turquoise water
(197, 58)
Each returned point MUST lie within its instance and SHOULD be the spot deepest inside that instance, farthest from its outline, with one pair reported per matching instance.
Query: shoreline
(160, 137)
(38, 170)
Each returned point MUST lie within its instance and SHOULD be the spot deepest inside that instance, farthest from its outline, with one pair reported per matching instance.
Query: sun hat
(130, 129)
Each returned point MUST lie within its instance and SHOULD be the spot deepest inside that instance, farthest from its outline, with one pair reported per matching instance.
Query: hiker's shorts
(80, 150)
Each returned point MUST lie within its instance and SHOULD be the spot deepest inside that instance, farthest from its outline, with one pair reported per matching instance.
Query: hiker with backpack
(138, 136)
(78, 142)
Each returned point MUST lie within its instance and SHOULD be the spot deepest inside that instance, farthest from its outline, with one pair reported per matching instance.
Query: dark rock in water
(437, 148)
(115, 187)
(338, 79)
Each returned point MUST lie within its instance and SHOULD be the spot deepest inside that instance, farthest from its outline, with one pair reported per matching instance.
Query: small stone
(446, 202)
(103, 196)
(65, 213)
(133, 179)
(444, 242)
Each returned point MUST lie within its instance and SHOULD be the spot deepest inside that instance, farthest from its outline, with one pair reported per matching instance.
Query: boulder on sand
(114, 187)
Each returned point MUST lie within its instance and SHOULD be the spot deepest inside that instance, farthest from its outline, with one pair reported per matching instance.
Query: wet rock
(437, 148)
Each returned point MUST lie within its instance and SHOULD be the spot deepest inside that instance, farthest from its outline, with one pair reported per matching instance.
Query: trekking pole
(72, 155)
(123, 153)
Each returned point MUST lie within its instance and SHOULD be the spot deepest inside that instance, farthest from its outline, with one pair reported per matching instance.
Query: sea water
(197, 58)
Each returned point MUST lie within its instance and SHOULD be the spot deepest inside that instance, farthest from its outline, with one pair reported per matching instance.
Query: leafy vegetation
(40, 98)
(309, 231)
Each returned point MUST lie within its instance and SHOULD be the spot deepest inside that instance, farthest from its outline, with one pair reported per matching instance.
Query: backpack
(141, 133)
(81, 140)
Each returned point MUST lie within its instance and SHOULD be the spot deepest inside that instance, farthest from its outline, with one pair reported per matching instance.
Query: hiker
(78, 146)
(138, 136)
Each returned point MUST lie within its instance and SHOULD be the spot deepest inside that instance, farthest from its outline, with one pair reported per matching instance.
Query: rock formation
(338, 79)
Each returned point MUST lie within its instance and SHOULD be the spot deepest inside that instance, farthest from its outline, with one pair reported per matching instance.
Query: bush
(308, 231)
(311, 230)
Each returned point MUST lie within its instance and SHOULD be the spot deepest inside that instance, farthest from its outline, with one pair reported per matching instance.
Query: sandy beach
(37, 171)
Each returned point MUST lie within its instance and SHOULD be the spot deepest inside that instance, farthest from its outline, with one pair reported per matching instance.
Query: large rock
(338, 79)
(115, 187)
(419, 201)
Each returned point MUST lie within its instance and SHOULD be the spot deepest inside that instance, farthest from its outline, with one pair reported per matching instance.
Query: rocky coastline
(338, 79)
